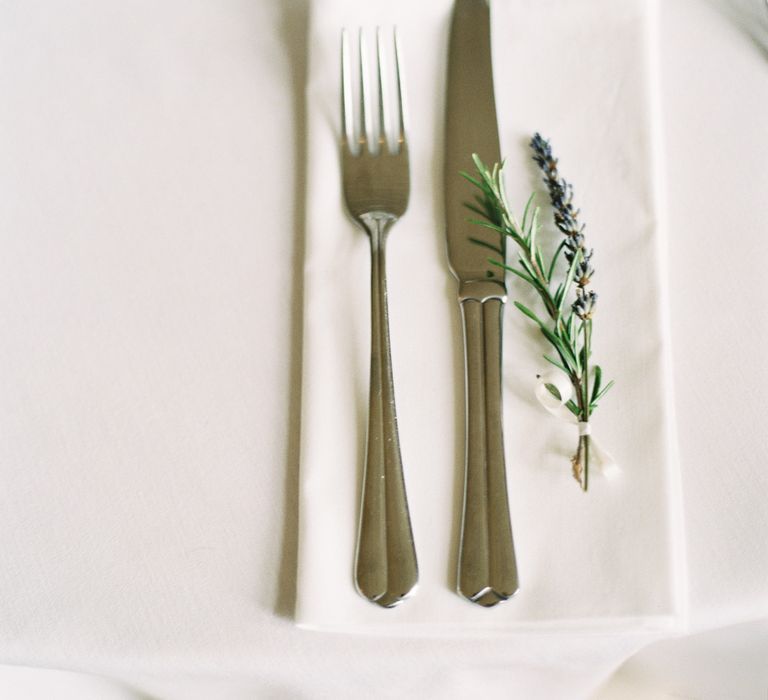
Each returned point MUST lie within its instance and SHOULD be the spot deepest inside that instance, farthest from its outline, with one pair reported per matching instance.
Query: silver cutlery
(376, 185)
(487, 569)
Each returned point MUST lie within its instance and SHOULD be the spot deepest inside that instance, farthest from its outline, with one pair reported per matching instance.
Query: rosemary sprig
(561, 283)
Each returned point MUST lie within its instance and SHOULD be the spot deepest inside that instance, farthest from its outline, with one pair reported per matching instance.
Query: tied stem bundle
(562, 283)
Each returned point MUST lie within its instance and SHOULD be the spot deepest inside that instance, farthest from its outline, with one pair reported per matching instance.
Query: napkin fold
(583, 74)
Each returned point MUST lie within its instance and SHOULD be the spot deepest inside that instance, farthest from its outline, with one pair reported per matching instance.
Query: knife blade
(487, 569)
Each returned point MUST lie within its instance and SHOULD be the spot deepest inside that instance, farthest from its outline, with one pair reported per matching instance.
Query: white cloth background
(148, 228)
(583, 75)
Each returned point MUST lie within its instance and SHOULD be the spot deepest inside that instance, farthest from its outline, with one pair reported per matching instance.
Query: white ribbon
(599, 457)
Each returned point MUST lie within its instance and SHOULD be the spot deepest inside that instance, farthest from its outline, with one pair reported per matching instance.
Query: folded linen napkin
(610, 560)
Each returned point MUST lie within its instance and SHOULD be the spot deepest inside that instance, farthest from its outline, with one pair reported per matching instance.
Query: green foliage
(553, 281)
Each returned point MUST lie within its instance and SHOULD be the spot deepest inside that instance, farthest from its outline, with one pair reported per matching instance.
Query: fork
(376, 186)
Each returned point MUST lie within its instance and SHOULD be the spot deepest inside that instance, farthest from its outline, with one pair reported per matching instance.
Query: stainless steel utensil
(487, 570)
(376, 187)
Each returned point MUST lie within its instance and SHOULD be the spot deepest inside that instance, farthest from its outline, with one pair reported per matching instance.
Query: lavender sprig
(567, 220)
(569, 325)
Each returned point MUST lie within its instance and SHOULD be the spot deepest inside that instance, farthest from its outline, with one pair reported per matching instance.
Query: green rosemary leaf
(568, 281)
(559, 294)
(555, 256)
(563, 350)
(504, 209)
(484, 172)
(473, 180)
(555, 363)
(539, 259)
(552, 389)
(596, 385)
(567, 330)
(532, 231)
(479, 163)
(495, 177)
(485, 207)
(530, 280)
(534, 242)
(521, 275)
(604, 390)
(530, 314)
(487, 224)
(487, 245)
(527, 266)
(530, 201)
(571, 325)
(573, 408)
(475, 209)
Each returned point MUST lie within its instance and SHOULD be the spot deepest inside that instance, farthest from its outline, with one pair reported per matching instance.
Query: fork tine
(364, 100)
(381, 80)
(347, 115)
(400, 94)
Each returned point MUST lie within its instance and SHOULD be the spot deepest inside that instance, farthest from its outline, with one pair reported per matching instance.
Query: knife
(487, 570)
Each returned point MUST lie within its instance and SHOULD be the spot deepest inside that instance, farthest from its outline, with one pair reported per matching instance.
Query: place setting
(486, 442)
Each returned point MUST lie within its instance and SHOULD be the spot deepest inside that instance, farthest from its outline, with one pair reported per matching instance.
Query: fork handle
(487, 572)
(386, 571)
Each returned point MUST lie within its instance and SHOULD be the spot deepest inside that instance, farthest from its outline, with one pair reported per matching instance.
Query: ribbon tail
(603, 460)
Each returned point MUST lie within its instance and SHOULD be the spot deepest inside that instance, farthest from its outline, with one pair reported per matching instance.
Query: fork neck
(377, 224)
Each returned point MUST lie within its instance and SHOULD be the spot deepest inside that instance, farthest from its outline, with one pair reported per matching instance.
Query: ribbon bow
(600, 457)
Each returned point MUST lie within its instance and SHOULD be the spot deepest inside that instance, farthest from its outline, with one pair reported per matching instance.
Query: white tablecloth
(151, 227)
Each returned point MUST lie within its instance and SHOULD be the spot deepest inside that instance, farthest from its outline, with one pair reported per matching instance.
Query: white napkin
(583, 74)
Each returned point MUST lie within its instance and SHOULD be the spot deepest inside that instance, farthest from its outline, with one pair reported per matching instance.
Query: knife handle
(487, 572)
(386, 571)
